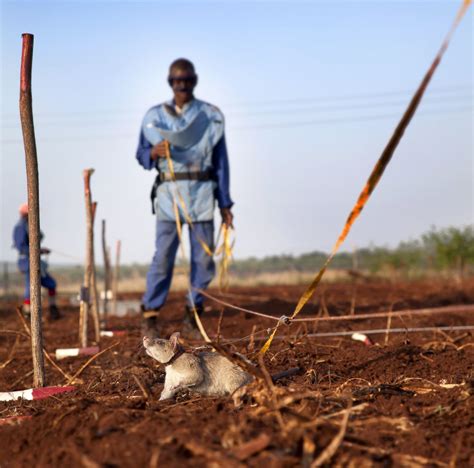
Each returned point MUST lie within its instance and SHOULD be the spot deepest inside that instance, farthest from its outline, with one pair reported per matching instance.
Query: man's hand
(158, 151)
(227, 217)
(45, 251)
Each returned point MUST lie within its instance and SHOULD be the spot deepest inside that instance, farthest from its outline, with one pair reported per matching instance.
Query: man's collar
(185, 107)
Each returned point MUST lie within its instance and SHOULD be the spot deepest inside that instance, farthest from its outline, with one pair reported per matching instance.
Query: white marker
(111, 333)
(62, 353)
(34, 393)
(361, 337)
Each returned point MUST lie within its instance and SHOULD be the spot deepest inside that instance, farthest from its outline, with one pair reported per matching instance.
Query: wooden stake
(106, 256)
(116, 276)
(85, 292)
(29, 142)
(94, 295)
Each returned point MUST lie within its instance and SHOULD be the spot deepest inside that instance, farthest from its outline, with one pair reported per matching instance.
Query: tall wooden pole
(116, 275)
(105, 254)
(28, 129)
(85, 291)
(94, 295)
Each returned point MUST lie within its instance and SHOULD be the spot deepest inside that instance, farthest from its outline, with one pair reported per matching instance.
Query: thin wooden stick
(354, 281)
(29, 142)
(141, 386)
(389, 323)
(116, 276)
(219, 324)
(46, 354)
(105, 254)
(74, 377)
(331, 449)
(11, 353)
(94, 295)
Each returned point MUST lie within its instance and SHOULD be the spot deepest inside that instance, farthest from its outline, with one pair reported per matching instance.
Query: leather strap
(146, 314)
(175, 356)
(191, 175)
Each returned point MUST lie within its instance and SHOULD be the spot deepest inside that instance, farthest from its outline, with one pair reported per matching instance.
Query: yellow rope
(225, 251)
(377, 171)
(188, 219)
(180, 237)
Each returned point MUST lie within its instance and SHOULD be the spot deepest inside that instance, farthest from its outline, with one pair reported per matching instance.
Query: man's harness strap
(189, 175)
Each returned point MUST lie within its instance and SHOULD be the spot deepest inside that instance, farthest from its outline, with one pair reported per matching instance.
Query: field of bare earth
(403, 401)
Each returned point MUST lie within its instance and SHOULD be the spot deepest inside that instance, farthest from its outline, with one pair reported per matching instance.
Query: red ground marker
(110, 333)
(34, 393)
(363, 338)
(62, 353)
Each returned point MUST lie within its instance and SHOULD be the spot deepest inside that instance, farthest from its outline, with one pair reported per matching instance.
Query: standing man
(194, 131)
(21, 243)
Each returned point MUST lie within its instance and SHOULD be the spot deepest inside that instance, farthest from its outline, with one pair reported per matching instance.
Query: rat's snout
(146, 341)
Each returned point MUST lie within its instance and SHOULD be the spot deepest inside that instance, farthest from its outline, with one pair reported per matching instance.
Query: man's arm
(20, 239)
(144, 152)
(220, 162)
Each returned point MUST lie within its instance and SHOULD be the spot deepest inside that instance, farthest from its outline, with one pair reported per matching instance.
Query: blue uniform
(198, 131)
(21, 243)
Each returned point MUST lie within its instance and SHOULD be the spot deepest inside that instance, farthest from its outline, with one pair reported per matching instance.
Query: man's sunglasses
(187, 79)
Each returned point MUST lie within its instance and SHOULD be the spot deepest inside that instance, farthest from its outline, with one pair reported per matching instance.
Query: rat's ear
(174, 339)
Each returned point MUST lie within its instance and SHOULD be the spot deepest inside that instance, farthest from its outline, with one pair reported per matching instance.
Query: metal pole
(29, 142)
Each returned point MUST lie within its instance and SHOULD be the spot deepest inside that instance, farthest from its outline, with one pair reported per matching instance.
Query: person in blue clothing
(194, 131)
(21, 243)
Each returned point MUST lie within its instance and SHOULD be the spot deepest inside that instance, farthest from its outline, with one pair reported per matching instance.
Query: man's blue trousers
(47, 281)
(159, 275)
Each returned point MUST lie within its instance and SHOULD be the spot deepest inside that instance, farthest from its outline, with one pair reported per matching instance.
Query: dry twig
(332, 448)
(141, 386)
(71, 380)
(46, 354)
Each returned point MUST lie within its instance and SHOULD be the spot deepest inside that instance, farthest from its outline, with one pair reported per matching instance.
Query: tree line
(438, 250)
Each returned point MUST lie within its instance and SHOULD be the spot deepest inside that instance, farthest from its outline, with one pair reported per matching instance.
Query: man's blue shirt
(20, 237)
(219, 159)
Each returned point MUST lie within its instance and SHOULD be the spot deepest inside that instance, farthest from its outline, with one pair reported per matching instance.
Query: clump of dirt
(405, 401)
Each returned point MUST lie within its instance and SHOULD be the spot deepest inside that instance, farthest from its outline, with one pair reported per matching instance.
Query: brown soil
(409, 399)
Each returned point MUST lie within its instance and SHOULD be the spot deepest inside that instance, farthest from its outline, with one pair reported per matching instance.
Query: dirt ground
(404, 401)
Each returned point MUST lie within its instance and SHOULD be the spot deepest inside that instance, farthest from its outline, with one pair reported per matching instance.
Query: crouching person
(21, 243)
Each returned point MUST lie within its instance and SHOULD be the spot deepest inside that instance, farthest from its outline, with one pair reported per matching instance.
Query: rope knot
(284, 320)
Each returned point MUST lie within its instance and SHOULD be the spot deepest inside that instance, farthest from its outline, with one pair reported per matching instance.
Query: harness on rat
(179, 352)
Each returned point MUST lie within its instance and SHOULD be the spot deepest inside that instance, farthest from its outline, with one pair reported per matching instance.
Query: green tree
(451, 247)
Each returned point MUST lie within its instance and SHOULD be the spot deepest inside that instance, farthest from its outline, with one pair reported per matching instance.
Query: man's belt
(189, 175)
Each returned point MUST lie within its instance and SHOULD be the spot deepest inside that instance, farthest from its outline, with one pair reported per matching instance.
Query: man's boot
(150, 322)
(26, 310)
(190, 329)
(54, 312)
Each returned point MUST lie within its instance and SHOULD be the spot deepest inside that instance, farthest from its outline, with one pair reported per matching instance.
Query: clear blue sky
(311, 92)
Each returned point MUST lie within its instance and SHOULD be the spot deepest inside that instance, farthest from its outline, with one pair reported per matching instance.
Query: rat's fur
(206, 373)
